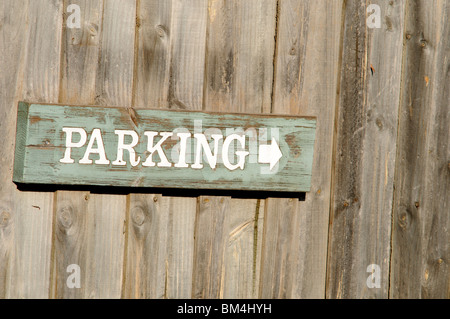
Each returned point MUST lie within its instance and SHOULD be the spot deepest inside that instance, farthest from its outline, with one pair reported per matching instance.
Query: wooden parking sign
(119, 146)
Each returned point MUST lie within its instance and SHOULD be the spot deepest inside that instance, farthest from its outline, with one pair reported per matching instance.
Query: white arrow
(269, 154)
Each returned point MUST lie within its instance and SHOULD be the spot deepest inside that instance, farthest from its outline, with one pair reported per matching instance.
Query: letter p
(70, 144)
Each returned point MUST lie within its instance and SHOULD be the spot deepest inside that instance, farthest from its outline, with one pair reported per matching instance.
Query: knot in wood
(138, 215)
(161, 30)
(4, 218)
(66, 216)
(93, 29)
(379, 123)
(403, 219)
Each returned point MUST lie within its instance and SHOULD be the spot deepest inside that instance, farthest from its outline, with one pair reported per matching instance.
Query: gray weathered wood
(29, 60)
(240, 46)
(210, 247)
(81, 51)
(85, 81)
(71, 230)
(322, 57)
(9, 62)
(228, 247)
(421, 222)
(184, 91)
(160, 241)
(105, 242)
(306, 64)
(279, 242)
(363, 172)
(146, 266)
(153, 24)
(169, 74)
(88, 233)
(218, 55)
(238, 78)
(180, 249)
(243, 248)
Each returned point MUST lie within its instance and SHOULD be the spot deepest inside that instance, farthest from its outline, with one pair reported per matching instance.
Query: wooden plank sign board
(113, 146)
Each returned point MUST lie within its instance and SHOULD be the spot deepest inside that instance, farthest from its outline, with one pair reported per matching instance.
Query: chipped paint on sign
(111, 146)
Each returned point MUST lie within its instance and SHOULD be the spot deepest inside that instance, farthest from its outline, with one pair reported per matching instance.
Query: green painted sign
(113, 146)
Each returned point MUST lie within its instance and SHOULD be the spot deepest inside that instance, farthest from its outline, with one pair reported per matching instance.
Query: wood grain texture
(159, 249)
(238, 78)
(363, 173)
(279, 241)
(210, 247)
(81, 52)
(306, 64)
(187, 54)
(228, 247)
(88, 233)
(147, 264)
(381, 101)
(10, 31)
(184, 90)
(243, 248)
(240, 46)
(420, 241)
(169, 74)
(97, 69)
(152, 53)
(114, 78)
(70, 248)
(29, 60)
(170, 54)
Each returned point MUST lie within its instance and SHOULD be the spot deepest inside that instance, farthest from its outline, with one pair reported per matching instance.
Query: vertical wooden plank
(421, 222)
(29, 60)
(11, 60)
(278, 259)
(153, 53)
(169, 74)
(71, 228)
(184, 91)
(105, 246)
(306, 81)
(80, 55)
(180, 251)
(147, 244)
(97, 68)
(159, 246)
(240, 37)
(363, 172)
(116, 68)
(242, 263)
(210, 246)
(187, 54)
(238, 78)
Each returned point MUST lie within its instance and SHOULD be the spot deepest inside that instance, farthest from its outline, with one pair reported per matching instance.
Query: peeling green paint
(41, 144)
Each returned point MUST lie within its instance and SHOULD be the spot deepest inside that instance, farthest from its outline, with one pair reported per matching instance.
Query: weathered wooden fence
(381, 174)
